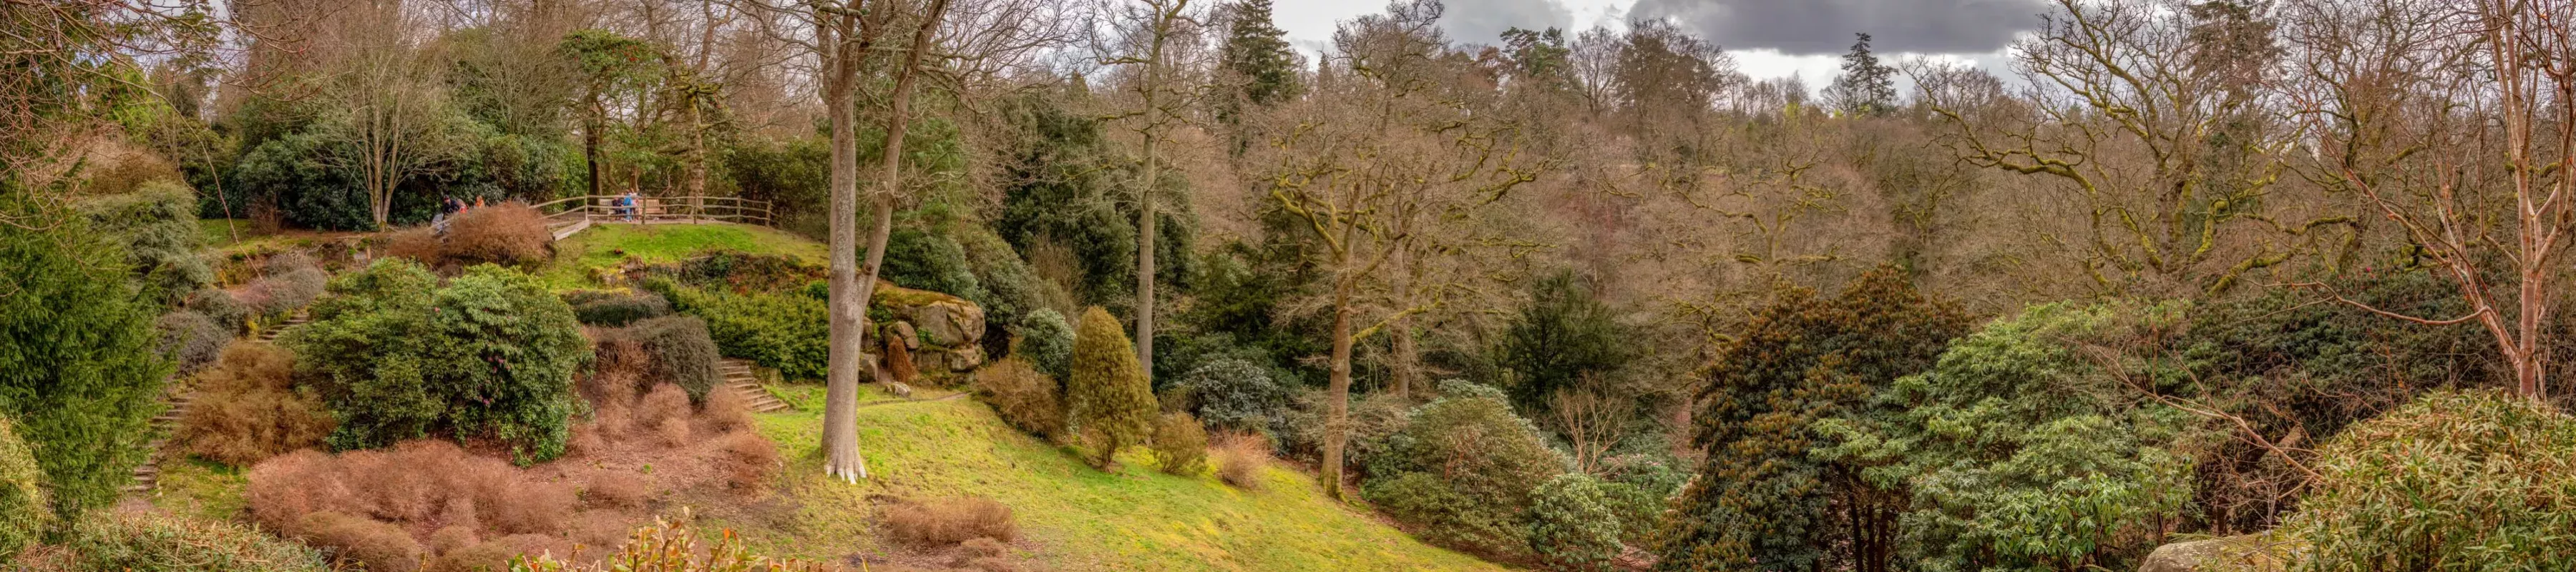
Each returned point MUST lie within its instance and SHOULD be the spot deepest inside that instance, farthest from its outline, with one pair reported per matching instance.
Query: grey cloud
(1826, 26)
(1483, 21)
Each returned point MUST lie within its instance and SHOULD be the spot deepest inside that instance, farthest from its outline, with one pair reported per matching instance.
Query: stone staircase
(148, 474)
(738, 377)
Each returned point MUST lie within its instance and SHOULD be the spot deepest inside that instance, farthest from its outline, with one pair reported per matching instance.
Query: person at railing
(447, 209)
(626, 204)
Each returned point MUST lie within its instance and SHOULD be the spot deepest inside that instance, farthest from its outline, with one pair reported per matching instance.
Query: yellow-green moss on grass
(608, 245)
(1078, 518)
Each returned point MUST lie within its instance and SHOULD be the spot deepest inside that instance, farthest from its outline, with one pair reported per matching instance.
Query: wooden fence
(572, 214)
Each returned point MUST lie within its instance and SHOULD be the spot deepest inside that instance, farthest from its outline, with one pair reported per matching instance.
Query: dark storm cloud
(1483, 21)
(1826, 26)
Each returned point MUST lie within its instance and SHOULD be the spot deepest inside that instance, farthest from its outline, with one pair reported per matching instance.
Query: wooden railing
(571, 214)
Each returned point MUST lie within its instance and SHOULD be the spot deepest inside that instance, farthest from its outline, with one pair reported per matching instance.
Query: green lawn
(605, 246)
(1074, 517)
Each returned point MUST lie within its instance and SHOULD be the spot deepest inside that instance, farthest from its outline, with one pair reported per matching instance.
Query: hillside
(1072, 517)
(604, 246)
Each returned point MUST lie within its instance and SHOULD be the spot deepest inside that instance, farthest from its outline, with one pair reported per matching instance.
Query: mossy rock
(2263, 552)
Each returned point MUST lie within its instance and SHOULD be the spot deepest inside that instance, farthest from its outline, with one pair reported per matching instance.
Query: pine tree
(1256, 51)
(1866, 86)
(1111, 404)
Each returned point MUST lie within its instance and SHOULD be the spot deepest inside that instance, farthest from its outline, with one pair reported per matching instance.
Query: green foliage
(2475, 480)
(191, 340)
(1256, 51)
(1109, 401)
(140, 540)
(489, 355)
(925, 261)
(1638, 487)
(1069, 189)
(786, 332)
(222, 307)
(1461, 468)
(682, 351)
(1047, 341)
(1238, 296)
(1180, 445)
(1236, 395)
(1571, 526)
(2021, 454)
(299, 174)
(792, 175)
(1865, 87)
(24, 512)
(615, 308)
(157, 227)
(1563, 336)
(1762, 502)
(77, 366)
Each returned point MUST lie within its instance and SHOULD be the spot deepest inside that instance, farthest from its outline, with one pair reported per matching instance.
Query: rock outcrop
(2265, 552)
(944, 333)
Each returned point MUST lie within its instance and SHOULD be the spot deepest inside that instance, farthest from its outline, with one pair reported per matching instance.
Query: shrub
(24, 516)
(156, 228)
(378, 546)
(1462, 469)
(950, 521)
(615, 308)
(418, 243)
(2454, 481)
(925, 261)
(141, 540)
(1638, 488)
(1025, 398)
(77, 368)
(669, 547)
(276, 295)
(416, 483)
(679, 351)
(1563, 335)
(748, 461)
(2020, 453)
(510, 234)
(1180, 445)
(1108, 398)
(1047, 342)
(247, 409)
(1571, 526)
(191, 340)
(489, 355)
(1236, 394)
(221, 307)
(614, 490)
(787, 332)
(1239, 459)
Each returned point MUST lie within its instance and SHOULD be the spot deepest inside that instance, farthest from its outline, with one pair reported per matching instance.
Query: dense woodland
(2278, 270)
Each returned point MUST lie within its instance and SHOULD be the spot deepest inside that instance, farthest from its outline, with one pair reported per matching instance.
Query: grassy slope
(607, 245)
(1073, 517)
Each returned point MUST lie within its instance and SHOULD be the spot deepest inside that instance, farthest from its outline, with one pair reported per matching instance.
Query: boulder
(965, 358)
(2247, 553)
(947, 323)
(903, 331)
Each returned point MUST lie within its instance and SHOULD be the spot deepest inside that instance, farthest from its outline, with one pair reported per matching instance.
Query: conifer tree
(1112, 405)
(1866, 86)
(1256, 51)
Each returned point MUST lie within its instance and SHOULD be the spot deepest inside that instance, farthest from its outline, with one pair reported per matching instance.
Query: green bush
(2476, 480)
(1474, 447)
(1236, 395)
(24, 515)
(77, 366)
(489, 355)
(1571, 526)
(1638, 487)
(787, 332)
(191, 340)
(1108, 399)
(615, 308)
(681, 350)
(1562, 336)
(157, 226)
(1180, 445)
(923, 261)
(134, 540)
(1047, 341)
(300, 172)
(222, 307)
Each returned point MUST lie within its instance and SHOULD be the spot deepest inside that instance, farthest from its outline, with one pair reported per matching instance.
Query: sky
(1769, 38)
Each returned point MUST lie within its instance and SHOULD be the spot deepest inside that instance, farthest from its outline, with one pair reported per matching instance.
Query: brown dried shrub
(725, 412)
(748, 461)
(510, 234)
(1180, 445)
(527, 507)
(950, 521)
(378, 546)
(1239, 459)
(585, 441)
(992, 565)
(429, 484)
(417, 243)
(1023, 397)
(451, 538)
(615, 490)
(664, 404)
(982, 547)
(674, 432)
(246, 409)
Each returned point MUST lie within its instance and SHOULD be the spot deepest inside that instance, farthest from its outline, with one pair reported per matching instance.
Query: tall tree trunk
(1145, 235)
(1406, 358)
(1337, 415)
(898, 119)
(841, 390)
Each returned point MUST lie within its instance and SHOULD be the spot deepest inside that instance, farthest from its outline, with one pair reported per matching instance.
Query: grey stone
(2248, 553)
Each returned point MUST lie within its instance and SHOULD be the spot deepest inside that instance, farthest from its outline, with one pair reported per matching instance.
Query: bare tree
(389, 92)
(1591, 421)
(2457, 123)
(1154, 31)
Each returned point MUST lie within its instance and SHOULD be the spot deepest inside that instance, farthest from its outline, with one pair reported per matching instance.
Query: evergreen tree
(78, 369)
(1111, 404)
(1256, 51)
(1563, 336)
(1866, 86)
